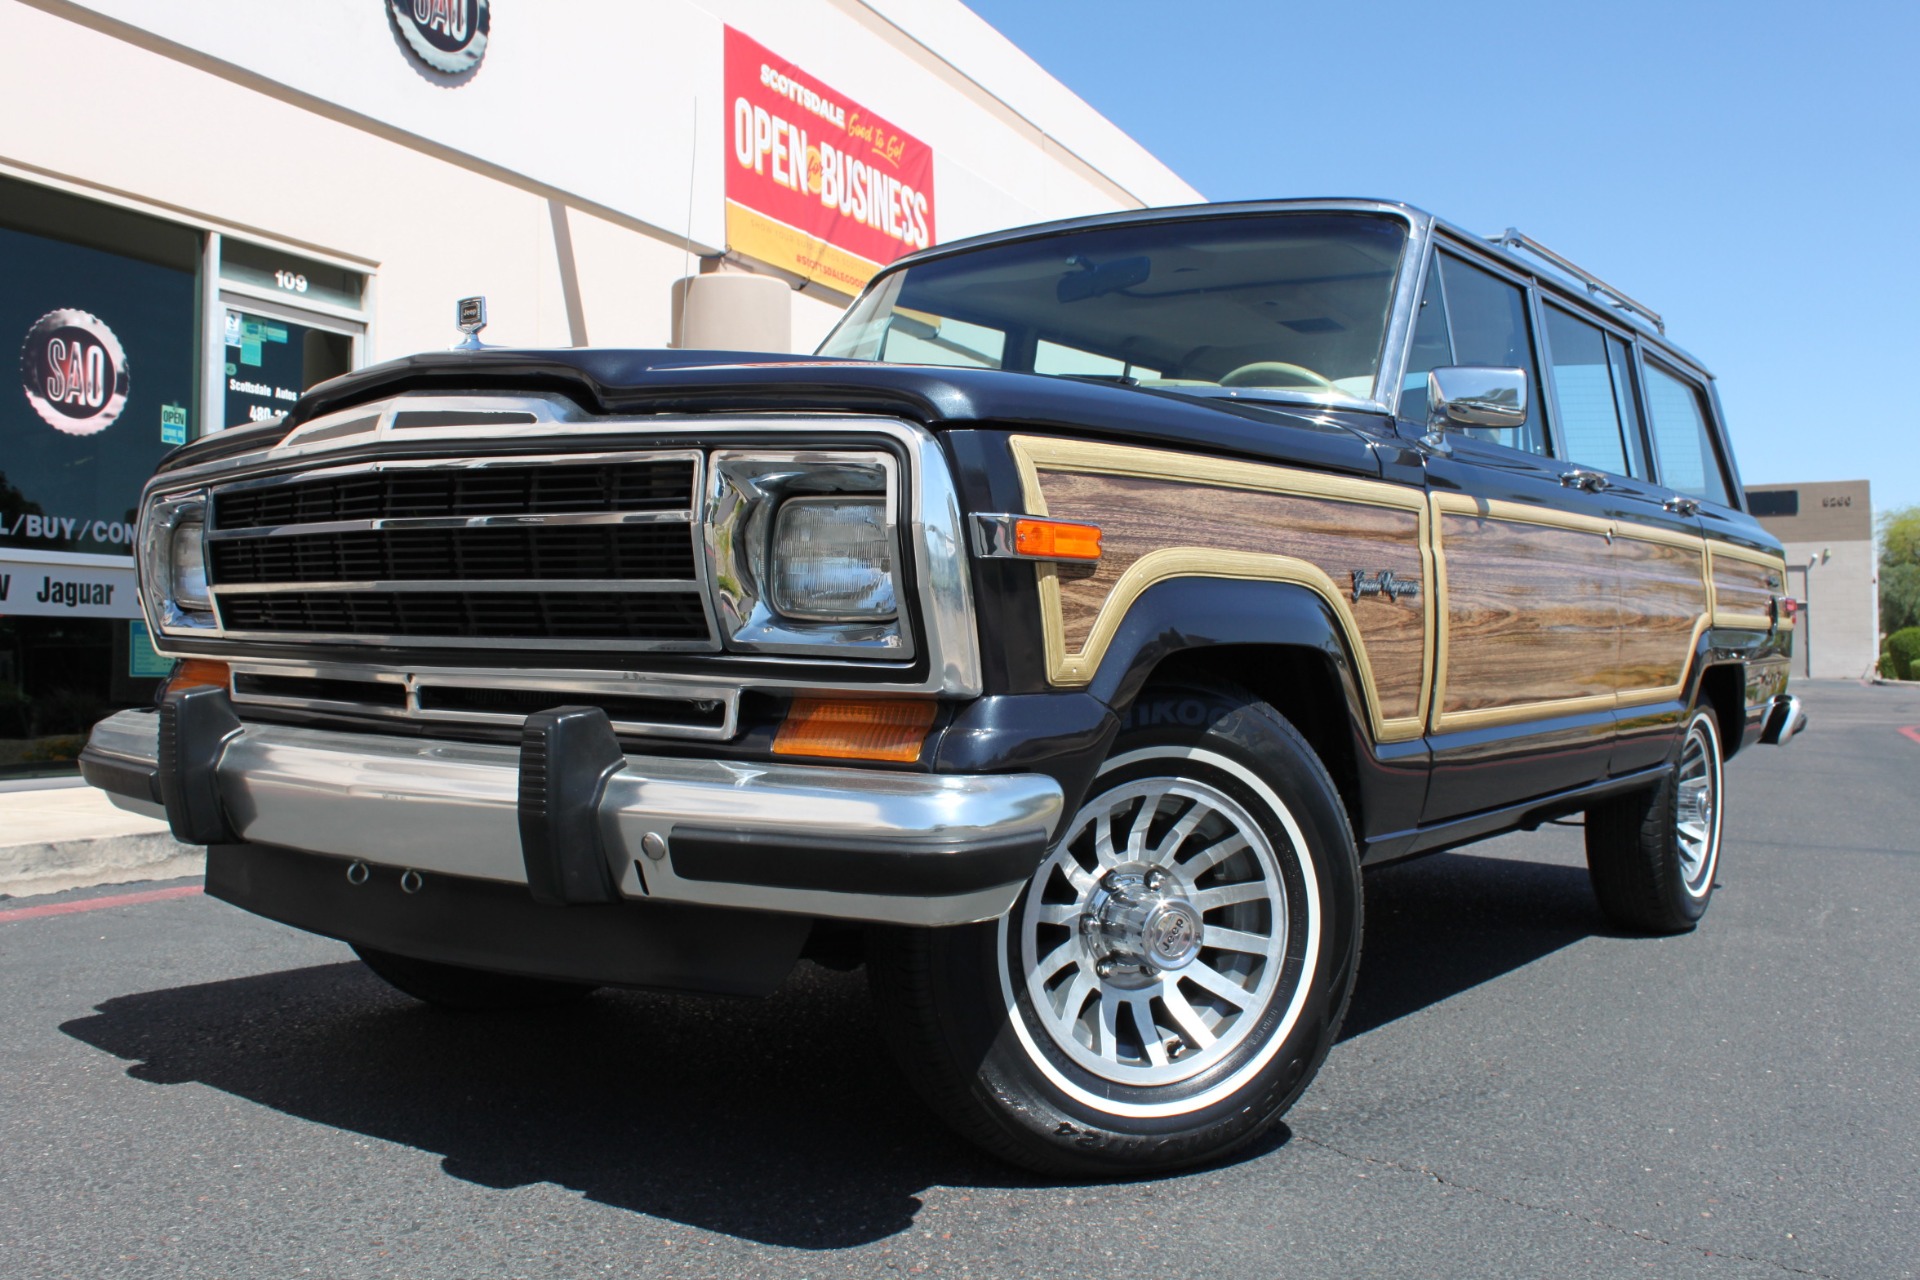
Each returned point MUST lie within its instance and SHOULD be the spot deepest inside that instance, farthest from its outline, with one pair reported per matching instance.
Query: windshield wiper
(1117, 379)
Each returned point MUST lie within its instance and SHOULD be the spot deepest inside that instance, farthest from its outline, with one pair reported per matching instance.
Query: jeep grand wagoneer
(1060, 642)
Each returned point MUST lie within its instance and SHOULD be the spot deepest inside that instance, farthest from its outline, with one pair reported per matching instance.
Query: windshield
(1289, 305)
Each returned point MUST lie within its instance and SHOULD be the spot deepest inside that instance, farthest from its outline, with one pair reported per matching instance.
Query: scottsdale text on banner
(816, 184)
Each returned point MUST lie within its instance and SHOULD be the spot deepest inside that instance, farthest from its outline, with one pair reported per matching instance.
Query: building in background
(207, 208)
(1831, 570)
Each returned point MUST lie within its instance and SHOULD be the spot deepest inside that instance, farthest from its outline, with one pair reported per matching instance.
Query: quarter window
(1594, 407)
(1488, 320)
(1682, 440)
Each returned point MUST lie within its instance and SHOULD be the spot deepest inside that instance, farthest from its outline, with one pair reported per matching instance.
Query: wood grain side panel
(1531, 614)
(1663, 604)
(1137, 516)
(1744, 589)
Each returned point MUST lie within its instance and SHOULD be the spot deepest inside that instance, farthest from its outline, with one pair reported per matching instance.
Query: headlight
(173, 566)
(187, 576)
(803, 552)
(832, 560)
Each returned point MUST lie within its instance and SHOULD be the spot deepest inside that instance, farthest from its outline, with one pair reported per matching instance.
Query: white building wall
(1842, 629)
(610, 107)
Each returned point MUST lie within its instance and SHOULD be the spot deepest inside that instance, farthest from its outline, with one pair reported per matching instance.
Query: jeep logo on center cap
(74, 372)
(448, 36)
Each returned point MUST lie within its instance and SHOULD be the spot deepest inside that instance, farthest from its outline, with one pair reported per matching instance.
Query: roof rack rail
(1595, 285)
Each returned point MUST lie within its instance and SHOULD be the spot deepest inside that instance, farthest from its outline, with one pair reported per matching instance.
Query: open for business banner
(817, 184)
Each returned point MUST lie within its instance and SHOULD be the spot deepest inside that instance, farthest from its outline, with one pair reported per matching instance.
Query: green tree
(1900, 569)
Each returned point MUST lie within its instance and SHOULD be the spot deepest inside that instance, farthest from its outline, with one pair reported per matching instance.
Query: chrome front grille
(551, 552)
(506, 487)
(643, 551)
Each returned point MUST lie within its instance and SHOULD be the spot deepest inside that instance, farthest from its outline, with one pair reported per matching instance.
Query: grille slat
(560, 615)
(645, 551)
(664, 484)
(566, 524)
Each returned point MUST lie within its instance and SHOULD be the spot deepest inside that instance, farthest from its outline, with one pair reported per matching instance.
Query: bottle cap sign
(74, 372)
(448, 36)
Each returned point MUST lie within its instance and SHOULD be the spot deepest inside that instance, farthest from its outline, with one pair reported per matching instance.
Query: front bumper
(848, 843)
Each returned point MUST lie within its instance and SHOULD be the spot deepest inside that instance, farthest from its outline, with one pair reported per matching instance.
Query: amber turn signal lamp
(197, 673)
(1056, 539)
(844, 729)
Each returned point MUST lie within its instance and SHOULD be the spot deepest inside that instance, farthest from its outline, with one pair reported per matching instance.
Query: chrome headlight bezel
(746, 489)
(160, 521)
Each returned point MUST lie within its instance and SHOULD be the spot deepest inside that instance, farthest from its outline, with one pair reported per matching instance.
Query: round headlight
(831, 560)
(187, 566)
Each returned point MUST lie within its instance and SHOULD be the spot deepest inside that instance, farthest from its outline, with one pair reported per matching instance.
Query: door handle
(1581, 478)
(1681, 506)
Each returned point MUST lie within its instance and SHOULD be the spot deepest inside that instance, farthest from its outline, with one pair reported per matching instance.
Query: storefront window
(120, 363)
(104, 307)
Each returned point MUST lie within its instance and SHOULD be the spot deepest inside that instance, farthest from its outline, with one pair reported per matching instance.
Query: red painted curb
(1912, 731)
(95, 904)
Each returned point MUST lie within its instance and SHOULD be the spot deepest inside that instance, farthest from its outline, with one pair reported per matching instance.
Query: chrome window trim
(1396, 345)
(932, 533)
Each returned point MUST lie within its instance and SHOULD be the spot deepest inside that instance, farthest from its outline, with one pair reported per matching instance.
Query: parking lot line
(1912, 731)
(95, 904)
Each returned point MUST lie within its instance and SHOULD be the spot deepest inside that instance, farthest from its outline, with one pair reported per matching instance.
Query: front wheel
(1173, 974)
(1652, 854)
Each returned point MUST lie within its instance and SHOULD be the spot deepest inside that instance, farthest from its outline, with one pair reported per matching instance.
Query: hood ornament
(470, 314)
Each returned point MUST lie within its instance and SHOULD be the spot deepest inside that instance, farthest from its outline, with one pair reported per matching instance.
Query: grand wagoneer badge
(1383, 583)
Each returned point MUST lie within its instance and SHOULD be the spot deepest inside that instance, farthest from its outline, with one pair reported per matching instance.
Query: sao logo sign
(74, 372)
(448, 36)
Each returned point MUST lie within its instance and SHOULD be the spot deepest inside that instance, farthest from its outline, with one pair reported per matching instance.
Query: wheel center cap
(1172, 934)
(1138, 922)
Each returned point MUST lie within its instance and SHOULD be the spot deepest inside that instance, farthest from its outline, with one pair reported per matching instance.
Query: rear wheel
(1652, 855)
(456, 987)
(1174, 972)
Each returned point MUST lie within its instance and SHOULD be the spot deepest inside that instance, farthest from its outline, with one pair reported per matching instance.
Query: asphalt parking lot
(188, 1091)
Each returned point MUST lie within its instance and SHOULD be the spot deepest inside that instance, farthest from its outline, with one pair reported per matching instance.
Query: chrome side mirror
(1471, 395)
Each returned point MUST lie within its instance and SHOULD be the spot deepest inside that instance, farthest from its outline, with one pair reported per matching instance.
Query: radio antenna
(693, 165)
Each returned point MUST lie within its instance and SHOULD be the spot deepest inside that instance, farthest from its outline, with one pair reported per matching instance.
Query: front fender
(1183, 614)
(1246, 621)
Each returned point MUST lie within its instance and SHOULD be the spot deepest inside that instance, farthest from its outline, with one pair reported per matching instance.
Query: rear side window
(1682, 440)
(1595, 409)
(1488, 320)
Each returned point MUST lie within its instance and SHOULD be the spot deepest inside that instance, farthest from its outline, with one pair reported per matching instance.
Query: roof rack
(1595, 285)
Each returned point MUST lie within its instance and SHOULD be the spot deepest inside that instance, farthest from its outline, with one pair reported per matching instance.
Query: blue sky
(1747, 169)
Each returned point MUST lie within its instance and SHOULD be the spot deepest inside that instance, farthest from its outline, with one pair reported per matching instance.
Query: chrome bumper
(813, 839)
(1788, 717)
